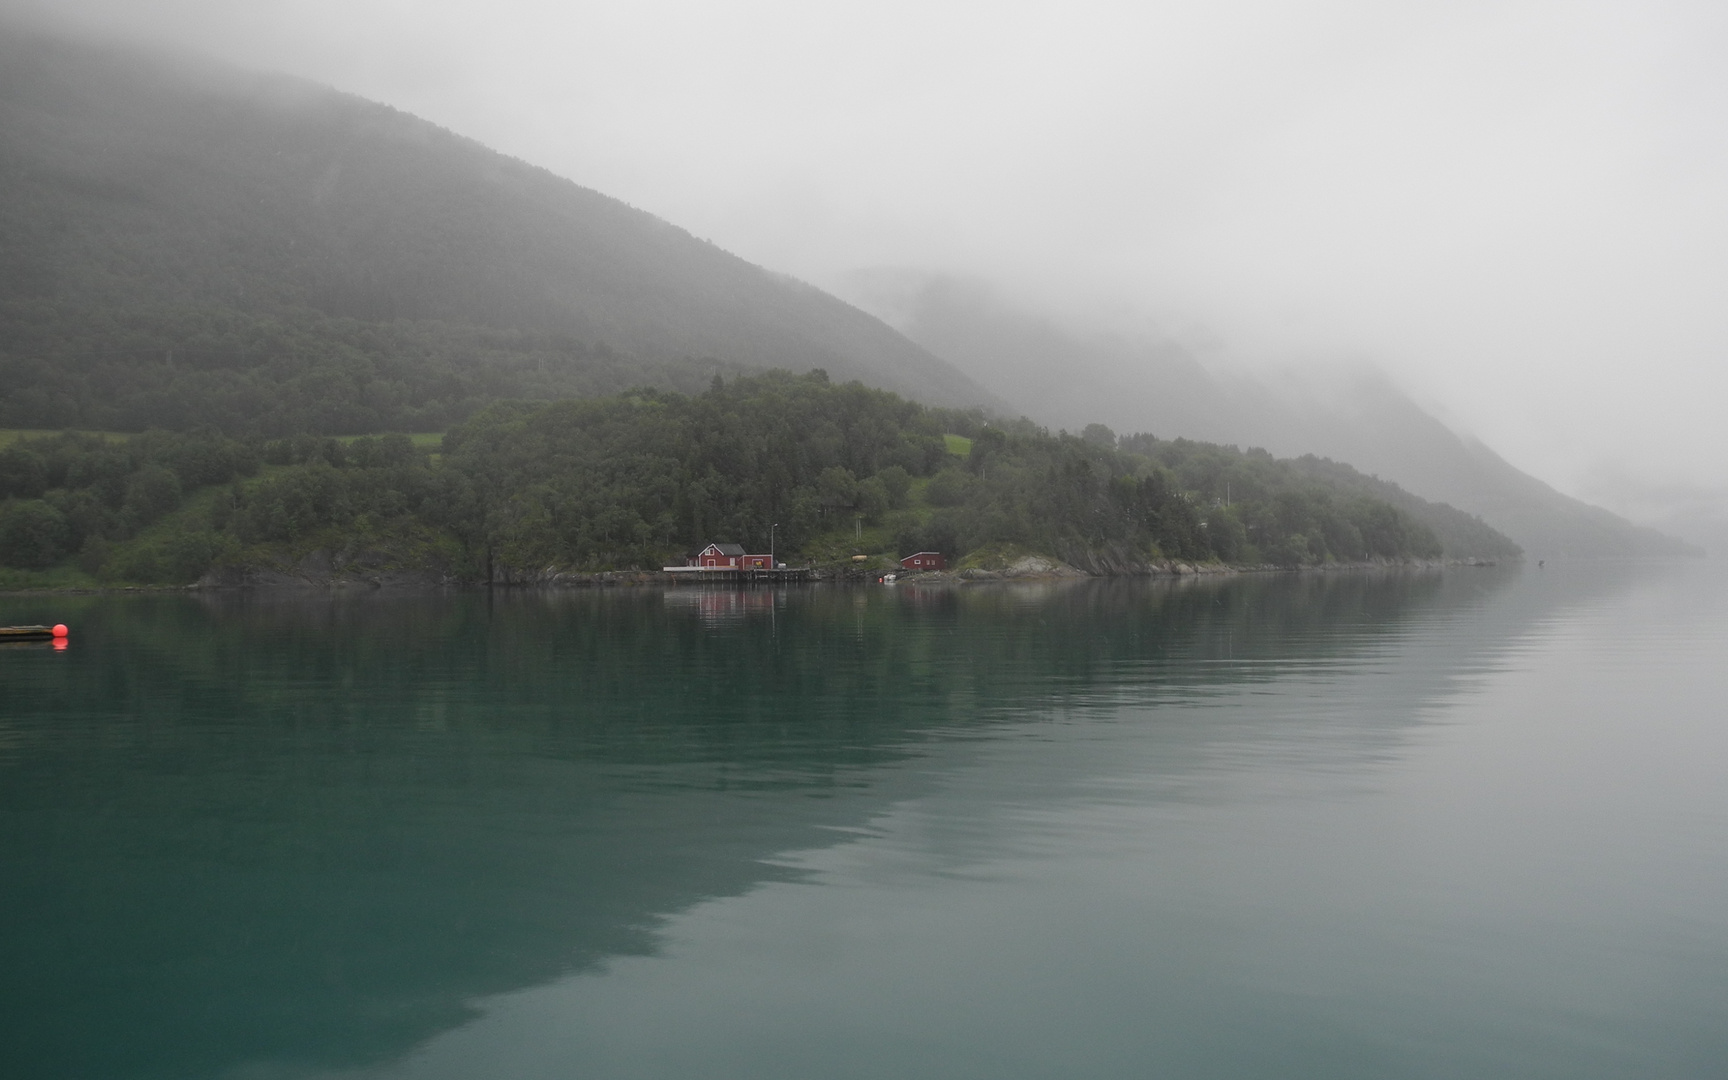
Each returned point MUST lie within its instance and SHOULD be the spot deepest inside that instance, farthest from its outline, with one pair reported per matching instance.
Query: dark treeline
(634, 480)
(1294, 491)
(290, 371)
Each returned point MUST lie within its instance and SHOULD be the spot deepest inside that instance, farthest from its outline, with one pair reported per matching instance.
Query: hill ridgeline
(182, 242)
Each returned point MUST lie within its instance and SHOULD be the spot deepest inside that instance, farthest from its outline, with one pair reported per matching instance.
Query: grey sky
(1519, 208)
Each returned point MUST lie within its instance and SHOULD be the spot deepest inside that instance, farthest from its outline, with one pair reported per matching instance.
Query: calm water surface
(1462, 824)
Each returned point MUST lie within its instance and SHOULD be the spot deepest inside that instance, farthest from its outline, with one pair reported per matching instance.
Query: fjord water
(1420, 824)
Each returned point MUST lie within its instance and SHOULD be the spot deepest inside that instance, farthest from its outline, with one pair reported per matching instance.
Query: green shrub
(33, 535)
(23, 473)
(151, 492)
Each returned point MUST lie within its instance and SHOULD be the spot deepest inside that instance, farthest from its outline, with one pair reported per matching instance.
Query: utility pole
(772, 565)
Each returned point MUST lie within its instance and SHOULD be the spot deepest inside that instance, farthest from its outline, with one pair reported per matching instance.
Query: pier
(703, 575)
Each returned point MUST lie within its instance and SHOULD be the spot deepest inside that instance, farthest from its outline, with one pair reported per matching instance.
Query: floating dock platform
(31, 633)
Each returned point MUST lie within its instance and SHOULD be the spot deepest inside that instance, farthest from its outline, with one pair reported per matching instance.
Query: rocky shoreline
(320, 571)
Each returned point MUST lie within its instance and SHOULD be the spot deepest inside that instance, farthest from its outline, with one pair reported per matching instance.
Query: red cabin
(731, 557)
(721, 557)
(924, 560)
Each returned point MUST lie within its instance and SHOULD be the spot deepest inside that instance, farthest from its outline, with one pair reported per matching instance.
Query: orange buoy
(60, 629)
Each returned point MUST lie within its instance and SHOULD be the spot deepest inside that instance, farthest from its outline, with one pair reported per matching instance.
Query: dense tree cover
(588, 482)
(289, 372)
(184, 243)
(81, 494)
(628, 480)
(1334, 509)
(1458, 531)
(636, 479)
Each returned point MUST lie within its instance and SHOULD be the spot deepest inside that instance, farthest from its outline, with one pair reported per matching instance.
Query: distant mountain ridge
(1068, 380)
(153, 204)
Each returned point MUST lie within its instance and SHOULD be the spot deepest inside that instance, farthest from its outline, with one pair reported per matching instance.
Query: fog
(1514, 208)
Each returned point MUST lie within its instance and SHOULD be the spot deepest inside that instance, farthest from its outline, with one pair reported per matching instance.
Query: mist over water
(1424, 824)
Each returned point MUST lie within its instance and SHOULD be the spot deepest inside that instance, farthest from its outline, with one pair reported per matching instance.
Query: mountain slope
(1064, 379)
(149, 204)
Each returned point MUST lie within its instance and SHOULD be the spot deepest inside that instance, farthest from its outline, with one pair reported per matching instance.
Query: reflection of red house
(723, 556)
(924, 560)
(725, 606)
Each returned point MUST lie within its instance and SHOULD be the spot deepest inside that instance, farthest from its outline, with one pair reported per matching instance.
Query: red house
(924, 560)
(721, 556)
(730, 557)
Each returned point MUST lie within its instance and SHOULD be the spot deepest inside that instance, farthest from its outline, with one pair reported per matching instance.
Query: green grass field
(958, 445)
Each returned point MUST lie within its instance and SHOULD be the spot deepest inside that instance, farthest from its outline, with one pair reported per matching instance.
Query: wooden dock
(25, 633)
(714, 575)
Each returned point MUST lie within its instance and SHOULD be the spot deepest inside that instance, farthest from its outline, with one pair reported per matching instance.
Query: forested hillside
(184, 243)
(1140, 382)
(1215, 472)
(635, 480)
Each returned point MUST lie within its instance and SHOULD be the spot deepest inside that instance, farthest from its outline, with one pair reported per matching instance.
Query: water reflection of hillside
(266, 827)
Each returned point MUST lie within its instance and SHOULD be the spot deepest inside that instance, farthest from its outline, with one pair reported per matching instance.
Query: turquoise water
(1459, 824)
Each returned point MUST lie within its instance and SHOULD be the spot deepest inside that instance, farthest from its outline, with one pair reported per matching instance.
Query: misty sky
(1518, 208)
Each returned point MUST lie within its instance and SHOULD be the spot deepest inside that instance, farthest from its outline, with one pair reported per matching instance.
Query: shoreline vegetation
(612, 488)
(1029, 568)
(659, 579)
